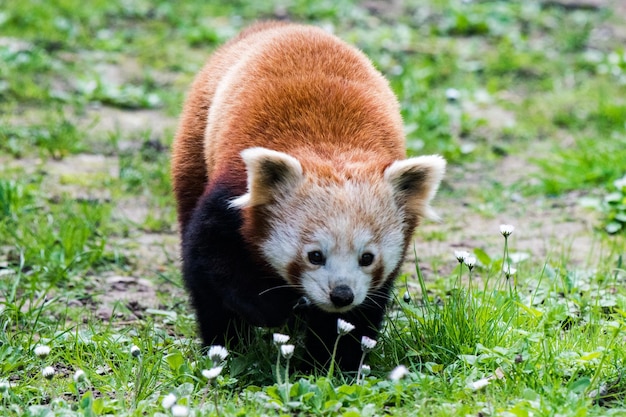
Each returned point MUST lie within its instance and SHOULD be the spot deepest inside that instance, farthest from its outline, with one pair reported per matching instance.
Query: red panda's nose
(341, 296)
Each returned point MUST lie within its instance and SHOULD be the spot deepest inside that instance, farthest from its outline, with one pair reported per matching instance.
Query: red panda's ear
(415, 182)
(270, 173)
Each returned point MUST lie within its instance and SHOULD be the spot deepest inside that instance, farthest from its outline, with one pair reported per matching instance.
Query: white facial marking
(342, 222)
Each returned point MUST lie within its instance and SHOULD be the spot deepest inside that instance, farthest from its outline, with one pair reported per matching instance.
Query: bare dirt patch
(76, 174)
(131, 123)
(135, 294)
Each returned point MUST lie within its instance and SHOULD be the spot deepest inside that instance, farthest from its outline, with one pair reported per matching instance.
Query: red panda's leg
(225, 283)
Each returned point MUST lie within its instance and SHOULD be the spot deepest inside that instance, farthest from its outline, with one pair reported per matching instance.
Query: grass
(88, 246)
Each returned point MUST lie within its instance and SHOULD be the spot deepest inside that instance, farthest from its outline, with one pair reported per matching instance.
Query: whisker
(276, 288)
(371, 299)
(378, 297)
(298, 286)
(377, 293)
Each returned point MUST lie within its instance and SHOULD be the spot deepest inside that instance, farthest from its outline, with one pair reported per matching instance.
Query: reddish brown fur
(322, 167)
(301, 91)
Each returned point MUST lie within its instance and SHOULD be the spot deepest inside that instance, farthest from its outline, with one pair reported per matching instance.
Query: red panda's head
(336, 238)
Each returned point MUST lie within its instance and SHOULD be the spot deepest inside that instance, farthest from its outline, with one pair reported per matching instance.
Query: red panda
(292, 188)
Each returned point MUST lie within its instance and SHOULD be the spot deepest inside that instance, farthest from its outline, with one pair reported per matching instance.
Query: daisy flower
(217, 353)
(470, 261)
(398, 373)
(452, 94)
(48, 372)
(179, 410)
(479, 384)
(287, 351)
(135, 351)
(506, 229)
(79, 376)
(280, 339)
(461, 255)
(42, 351)
(212, 373)
(343, 327)
(168, 401)
(367, 344)
(508, 271)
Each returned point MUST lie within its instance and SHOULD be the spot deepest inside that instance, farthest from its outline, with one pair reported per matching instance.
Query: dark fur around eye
(366, 259)
(316, 257)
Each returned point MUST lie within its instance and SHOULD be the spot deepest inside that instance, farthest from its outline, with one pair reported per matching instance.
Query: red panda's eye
(316, 257)
(366, 259)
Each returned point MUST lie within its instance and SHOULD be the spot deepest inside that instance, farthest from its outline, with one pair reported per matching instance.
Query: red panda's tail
(190, 174)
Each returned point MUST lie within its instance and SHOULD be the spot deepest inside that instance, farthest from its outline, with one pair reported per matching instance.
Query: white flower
(398, 373)
(79, 376)
(287, 351)
(212, 373)
(470, 261)
(406, 297)
(518, 257)
(365, 370)
(481, 383)
(452, 94)
(620, 183)
(135, 351)
(461, 255)
(280, 339)
(42, 351)
(179, 411)
(508, 271)
(343, 327)
(506, 229)
(168, 401)
(48, 372)
(217, 353)
(367, 344)
(613, 58)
